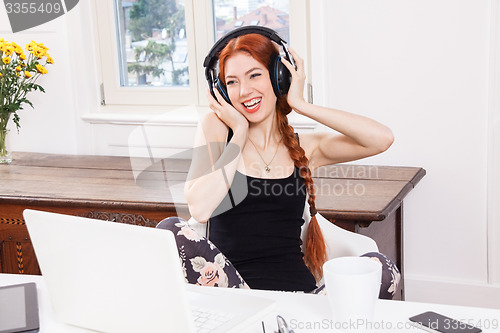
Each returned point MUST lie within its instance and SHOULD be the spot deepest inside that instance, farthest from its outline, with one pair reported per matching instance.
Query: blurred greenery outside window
(153, 46)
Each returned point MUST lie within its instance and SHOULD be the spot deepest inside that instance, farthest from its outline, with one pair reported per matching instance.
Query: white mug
(352, 285)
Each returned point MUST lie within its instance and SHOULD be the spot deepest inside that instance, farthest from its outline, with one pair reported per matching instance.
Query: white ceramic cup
(352, 285)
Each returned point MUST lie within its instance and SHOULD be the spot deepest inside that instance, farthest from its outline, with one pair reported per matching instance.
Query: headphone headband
(213, 55)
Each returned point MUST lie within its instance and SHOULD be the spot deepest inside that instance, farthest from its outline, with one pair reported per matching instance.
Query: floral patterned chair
(204, 265)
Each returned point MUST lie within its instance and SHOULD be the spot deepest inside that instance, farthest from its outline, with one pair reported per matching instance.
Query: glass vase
(5, 153)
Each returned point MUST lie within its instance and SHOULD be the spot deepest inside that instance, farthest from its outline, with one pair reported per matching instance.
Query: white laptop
(114, 277)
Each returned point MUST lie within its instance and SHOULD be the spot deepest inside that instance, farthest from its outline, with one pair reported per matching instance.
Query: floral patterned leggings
(204, 264)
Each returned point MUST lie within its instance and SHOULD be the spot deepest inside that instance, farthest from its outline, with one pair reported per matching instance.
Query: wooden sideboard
(361, 198)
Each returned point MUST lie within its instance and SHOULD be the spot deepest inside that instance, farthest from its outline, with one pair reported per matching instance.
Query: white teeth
(252, 103)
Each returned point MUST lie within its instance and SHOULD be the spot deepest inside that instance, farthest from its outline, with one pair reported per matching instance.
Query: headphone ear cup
(280, 76)
(221, 87)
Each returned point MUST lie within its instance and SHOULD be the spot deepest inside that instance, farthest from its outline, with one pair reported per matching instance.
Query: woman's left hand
(295, 95)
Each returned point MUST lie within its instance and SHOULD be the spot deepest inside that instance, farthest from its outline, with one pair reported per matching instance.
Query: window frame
(200, 38)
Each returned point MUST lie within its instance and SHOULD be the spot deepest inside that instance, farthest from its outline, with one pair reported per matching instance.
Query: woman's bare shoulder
(309, 140)
(214, 129)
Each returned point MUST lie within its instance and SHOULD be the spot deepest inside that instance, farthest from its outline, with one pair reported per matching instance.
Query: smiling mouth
(253, 104)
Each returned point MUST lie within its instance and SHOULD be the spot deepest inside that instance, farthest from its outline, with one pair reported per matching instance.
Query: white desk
(304, 313)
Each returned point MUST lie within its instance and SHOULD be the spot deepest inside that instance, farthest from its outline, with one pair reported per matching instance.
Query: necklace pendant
(268, 169)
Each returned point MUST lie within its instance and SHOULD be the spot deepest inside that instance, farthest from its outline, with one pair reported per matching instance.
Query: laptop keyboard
(207, 320)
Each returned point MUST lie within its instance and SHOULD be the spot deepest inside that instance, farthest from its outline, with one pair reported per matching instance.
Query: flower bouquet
(18, 74)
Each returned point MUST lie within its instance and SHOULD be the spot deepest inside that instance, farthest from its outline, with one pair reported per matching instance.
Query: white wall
(419, 66)
(50, 126)
(422, 68)
(494, 148)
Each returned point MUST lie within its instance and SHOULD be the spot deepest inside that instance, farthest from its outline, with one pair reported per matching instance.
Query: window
(152, 43)
(273, 14)
(152, 51)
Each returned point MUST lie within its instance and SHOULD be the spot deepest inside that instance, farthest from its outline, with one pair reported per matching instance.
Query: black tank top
(257, 227)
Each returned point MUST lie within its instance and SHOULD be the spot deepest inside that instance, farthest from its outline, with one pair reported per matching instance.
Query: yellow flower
(6, 60)
(41, 69)
(38, 52)
(30, 46)
(22, 64)
(18, 68)
(50, 60)
(17, 49)
(37, 49)
(1, 75)
(8, 49)
(40, 45)
(27, 74)
(22, 56)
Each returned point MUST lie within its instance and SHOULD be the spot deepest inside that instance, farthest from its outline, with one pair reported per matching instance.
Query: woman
(252, 185)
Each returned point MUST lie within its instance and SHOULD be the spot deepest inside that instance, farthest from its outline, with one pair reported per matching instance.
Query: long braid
(315, 252)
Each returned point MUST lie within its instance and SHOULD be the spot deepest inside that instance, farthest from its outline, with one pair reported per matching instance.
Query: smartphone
(19, 308)
(435, 322)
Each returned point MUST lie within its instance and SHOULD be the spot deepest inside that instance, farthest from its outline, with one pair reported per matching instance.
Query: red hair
(262, 49)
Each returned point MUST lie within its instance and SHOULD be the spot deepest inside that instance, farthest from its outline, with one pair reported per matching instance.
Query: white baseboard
(421, 289)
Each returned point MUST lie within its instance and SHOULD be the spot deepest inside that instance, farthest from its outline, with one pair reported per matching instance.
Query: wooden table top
(347, 191)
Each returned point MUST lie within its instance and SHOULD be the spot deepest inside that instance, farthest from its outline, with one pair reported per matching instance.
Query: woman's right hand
(226, 112)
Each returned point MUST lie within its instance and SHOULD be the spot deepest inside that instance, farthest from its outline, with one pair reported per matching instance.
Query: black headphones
(279, 74)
